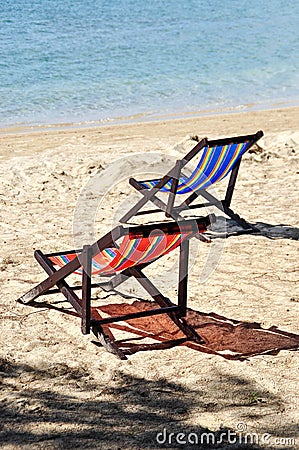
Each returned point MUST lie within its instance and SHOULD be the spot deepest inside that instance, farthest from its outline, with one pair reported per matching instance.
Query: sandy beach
(60, 389)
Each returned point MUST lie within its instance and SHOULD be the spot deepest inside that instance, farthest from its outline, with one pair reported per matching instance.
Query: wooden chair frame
(99, 325)
(174, 175)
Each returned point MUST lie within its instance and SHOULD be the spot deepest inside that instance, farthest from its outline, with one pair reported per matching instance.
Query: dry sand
(60, 390)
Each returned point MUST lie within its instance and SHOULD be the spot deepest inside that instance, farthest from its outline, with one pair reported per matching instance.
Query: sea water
(97, 60)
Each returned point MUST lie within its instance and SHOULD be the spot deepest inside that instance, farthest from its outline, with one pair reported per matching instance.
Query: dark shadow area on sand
(132, 412)
(222, 336)
(225, 228)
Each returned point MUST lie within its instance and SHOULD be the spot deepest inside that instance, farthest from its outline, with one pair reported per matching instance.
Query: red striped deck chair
(138, 247)
(219, 158)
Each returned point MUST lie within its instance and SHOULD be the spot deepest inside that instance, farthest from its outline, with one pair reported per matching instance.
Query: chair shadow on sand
(280, 231)
(229, 338)
(225, 228)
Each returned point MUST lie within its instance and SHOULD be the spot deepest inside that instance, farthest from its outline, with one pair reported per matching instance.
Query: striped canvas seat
(132, 251)
(215, 163)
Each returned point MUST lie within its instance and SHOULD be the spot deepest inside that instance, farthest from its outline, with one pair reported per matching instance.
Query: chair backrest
(140, 245)
(215, 163)
(217, 160)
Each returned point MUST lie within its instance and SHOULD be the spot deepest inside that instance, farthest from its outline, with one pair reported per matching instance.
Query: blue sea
(99, 60)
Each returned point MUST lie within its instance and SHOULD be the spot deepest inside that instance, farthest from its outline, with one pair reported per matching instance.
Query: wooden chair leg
(55, 277)
(183, 277)
(232, 183)
(107, 340)
(173, 190)
(45, 285)
(86, 257)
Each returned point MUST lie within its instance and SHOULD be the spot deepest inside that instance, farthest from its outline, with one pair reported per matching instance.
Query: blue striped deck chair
(218, 159)
(120, 254)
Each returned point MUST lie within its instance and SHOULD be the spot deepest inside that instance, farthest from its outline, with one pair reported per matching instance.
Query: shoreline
(147, 118)
(142, 136)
